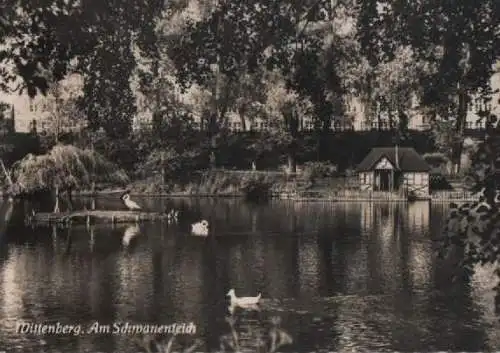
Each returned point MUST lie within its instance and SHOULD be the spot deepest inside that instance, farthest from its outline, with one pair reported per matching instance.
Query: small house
(394, 169)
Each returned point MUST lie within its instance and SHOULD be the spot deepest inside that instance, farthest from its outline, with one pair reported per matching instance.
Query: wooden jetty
(93, 217)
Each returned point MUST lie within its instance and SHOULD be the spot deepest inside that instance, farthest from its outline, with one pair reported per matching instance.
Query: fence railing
(453, 195)
(253, 172)
(368, 195)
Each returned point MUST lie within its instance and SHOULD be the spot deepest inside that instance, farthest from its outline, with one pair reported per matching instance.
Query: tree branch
(7, 174)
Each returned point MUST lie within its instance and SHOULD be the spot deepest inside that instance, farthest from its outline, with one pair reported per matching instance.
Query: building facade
(7, 120)
(394, 169)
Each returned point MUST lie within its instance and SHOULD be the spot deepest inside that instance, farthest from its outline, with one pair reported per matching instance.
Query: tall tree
(41, 39)
(460, 42)
(59, 109)
(457, 40)
(286, 110)
(239, 38)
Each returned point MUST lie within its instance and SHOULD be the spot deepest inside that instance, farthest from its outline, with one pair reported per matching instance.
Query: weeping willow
(63, 169)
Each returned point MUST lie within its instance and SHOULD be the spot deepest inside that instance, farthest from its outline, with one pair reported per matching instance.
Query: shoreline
(290, 196)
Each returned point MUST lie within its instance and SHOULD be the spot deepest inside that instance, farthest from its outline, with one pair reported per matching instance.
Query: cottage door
(385, 180)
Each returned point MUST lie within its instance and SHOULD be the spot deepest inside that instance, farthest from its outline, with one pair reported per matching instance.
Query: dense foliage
(459, 43)
(192, 62)
(65, 167)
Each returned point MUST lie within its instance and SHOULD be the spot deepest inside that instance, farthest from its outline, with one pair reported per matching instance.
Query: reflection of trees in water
(12, 288)
(261, 262)
(187, 277)
(6, 211)
(418, 217)
(452, 312)
(400, 243)
(309, 267)
(135, 273)
(483, 282)
(336, 249)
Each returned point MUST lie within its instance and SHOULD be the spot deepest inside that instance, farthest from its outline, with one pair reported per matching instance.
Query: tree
(45, 40)
(59, 108)
(457, 42)
(241, 37)
(460, 44)
(5, 147)
(64, 168)
(474, 228)
(285, 111)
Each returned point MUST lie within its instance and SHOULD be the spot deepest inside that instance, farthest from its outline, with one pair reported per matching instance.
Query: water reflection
(130, 233)
(341, 275)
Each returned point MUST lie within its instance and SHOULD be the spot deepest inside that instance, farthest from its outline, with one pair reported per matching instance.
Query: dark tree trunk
(241, 113)
(292, 163)
(292, 121)
(323, 140)
(69, 192)
(57, 208)
(457, 148)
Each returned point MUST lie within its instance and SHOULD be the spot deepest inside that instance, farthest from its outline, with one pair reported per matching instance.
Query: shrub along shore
(213, 184)
(227, 183)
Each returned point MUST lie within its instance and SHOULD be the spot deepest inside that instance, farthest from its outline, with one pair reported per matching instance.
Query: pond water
(341, 276)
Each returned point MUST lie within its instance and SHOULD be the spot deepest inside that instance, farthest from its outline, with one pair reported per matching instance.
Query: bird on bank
(131, 205)
(200, 228)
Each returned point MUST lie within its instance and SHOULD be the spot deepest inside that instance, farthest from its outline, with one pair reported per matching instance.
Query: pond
(341, 276)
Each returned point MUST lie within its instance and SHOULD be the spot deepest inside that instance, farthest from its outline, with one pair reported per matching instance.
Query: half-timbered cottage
(394, 169)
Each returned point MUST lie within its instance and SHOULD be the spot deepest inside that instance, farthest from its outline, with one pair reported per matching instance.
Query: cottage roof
(409, 160)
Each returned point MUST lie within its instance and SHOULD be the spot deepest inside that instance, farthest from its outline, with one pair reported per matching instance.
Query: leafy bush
(315, 170)
(436, 159)
(439, 182)
(66, 166)
(173, 166)
(256, 189)
(270, 339)
(474, 228)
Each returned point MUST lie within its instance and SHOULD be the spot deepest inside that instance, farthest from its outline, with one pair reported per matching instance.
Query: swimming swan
(243, 301)
(200, 228)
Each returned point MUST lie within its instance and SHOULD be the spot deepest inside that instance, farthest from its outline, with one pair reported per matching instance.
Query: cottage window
(418, 178)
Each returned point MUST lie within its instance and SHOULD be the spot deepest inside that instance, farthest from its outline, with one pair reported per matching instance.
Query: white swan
(200, 228)
(130, 233)
(243, 301)
(131, 205)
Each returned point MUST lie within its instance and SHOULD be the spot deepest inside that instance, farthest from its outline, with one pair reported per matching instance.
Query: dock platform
(93, 217)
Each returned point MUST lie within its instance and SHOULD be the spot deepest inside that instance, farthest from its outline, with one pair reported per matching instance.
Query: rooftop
(408, 159)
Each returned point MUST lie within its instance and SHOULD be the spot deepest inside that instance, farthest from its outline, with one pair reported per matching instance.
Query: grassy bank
(228, 183)
(221, 183)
